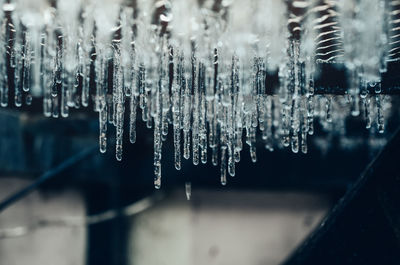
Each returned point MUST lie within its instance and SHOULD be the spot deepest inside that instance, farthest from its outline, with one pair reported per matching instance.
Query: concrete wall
(214, 228)
(224, 228)
(55, 244)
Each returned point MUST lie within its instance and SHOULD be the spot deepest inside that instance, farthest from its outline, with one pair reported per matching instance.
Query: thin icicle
(132, 119)
(223, 166)
(103, 127)
(188, 190)
(380, 122)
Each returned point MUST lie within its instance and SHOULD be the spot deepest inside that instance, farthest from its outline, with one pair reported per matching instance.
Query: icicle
(231, 163)
(132, 119)
(186, 120)
(141, 84)
(304, 125)
(196, 74)
(195, 112)
(165, 93)
(223, 166)
(17, 77)
(295, 142)
(46, 74)
(4, 89)
(186, 144)
(158, 129)
(188, 190)
(36, 61)
(157, 150)
(214, 156)
(268, 130)
(380, 116)
(203, 116)
(252, 136)
(295, 121)
(83, 76)
(177, 146)
(176, 117)
(310, 115)
(285, 125)
(118, 101)
(366, 103)
(103, 126)
(304, 147)
(27, 54)
(64, 103)
(328, 109)
(157, 175)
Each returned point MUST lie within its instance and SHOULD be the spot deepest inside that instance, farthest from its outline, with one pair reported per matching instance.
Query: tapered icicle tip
(157, 175)
(157, 183)
(188, 190)
(253, 154)
(118, 155)
(223, 180)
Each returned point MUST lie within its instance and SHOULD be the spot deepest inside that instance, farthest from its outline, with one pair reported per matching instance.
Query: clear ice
(202, 68)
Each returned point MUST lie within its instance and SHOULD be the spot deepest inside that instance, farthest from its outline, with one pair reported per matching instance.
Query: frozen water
(201, 68)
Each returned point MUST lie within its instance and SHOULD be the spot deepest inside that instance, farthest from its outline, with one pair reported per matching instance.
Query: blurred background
(101, 211)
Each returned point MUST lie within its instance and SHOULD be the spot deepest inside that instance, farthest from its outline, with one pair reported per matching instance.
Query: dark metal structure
(364, 226)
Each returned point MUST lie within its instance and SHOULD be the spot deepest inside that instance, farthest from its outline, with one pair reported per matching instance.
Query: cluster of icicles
(202, 68)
